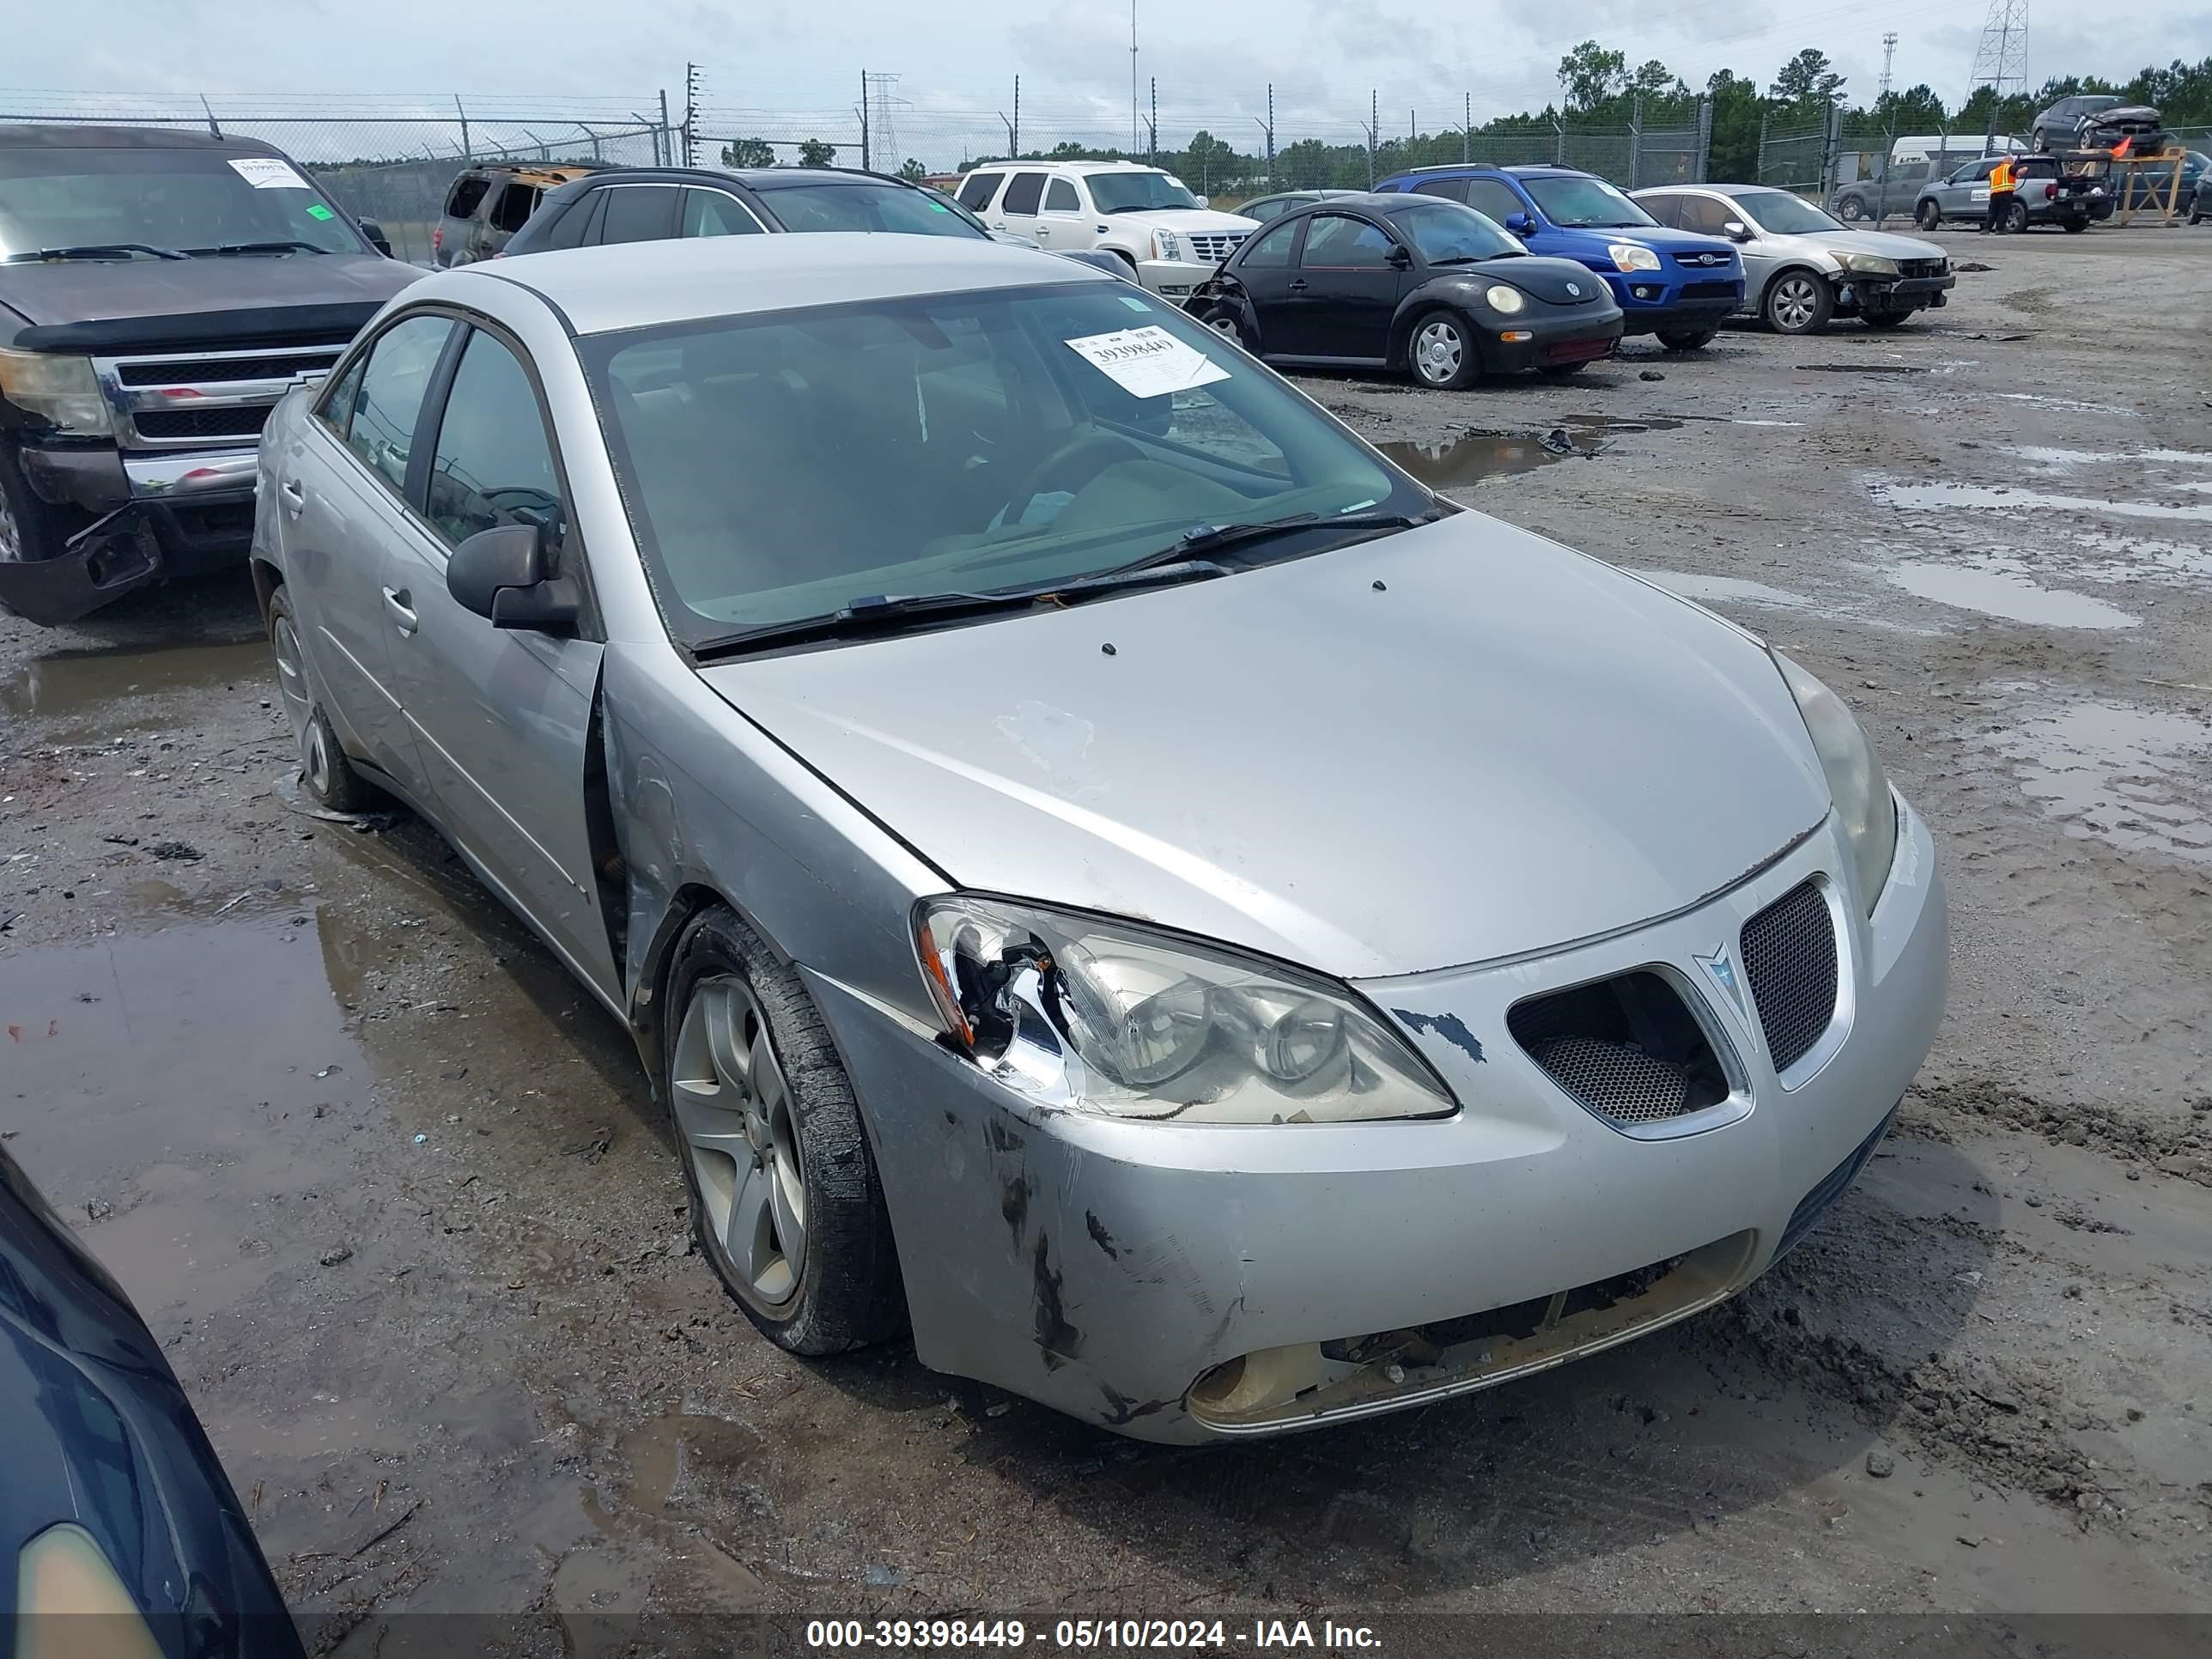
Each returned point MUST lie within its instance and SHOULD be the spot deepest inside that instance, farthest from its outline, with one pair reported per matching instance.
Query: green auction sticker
(316, 211)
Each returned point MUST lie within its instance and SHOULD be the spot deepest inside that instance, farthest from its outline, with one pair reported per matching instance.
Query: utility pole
(2000, 57)
(1153, 148)
(1374, 132)
(1467, 130)
(1133, 139)
(691, 85)
(1014, 133)
(864, 120)
(662, 139)
(1888, 57)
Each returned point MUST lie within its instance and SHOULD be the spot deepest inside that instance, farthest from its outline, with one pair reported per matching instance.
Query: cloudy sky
(772, 54)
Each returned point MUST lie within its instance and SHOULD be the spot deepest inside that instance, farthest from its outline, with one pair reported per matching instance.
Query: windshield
(780, 467)
(1446, 233)
(1138, 193)
(1577, 202)
(189, 199)
(1785, 214)
(864, 207)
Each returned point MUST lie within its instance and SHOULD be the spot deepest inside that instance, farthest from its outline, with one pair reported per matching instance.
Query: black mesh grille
(1627, 1048)
(1790, 963)
(245, 422)
(1709, 290)
(1920, 267)
(208, 371)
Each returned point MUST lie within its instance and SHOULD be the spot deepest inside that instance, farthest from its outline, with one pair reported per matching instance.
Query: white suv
(1172, 241)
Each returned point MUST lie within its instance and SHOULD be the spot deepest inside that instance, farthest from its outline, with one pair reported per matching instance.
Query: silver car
(1801, 265)
(1100, 868)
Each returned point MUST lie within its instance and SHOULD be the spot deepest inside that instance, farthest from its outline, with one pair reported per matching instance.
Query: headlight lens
(1869, 264)
(62, 390)
(1502, 297)
(1855, 780)
(1633, 256)
(1113, 1019)
(1165, 246)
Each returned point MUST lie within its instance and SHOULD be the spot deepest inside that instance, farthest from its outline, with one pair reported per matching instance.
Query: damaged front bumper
(1185, 1284)
(164, 515)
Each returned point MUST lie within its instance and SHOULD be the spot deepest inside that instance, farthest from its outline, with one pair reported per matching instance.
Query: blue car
(1674, 283)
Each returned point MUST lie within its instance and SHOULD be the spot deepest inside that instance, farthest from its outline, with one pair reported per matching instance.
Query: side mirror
(1736, 231)
(1203, 201)
(1519, 224)
(1398, 259)
(500, 574)
(377, 239)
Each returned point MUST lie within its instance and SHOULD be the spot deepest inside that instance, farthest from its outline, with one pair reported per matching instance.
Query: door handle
(1044, 231)
(296, 498)
(1297, 285)
(400, 603)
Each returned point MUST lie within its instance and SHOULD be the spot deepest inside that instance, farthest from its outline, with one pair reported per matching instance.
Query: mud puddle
(2138, 779)
(88, 696)
(1476, 456)
(1998, 588)
(2003, 498)
(1863, 368)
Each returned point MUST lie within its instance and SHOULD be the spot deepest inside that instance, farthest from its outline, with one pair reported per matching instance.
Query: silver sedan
(1102, 869)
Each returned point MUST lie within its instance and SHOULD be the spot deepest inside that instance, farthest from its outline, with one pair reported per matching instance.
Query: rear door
(636, 213)
(715, 213)
(1344, 292)
(979, 190)
(1020, 203)
(502, 716)
(341, 506)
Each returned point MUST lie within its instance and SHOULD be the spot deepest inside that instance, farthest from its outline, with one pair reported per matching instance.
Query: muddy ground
(389, 1189)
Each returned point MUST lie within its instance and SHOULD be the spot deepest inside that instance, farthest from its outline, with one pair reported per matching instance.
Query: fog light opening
(1265, 1377)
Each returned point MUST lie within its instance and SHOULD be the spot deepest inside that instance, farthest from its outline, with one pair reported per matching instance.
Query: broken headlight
(1856, 782)
(1113, 1019)
(61, 391)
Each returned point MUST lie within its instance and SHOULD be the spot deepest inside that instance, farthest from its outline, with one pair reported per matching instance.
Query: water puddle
(1942, 497)
(1734, 420)
(93, 696)
(2074, 405)
(1474, 457)
(1863, 368)
(1995, 591)
(2133, 777)
(2067, 459)
(1726, 589)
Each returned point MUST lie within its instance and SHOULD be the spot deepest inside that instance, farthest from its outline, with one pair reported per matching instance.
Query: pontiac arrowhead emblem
(1720, 967)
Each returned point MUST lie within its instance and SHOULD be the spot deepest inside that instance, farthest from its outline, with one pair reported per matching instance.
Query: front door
(502, 716)
(340, 504)
(1350, 290)
(1061, 222)
(1265, 269)
(1711, 216)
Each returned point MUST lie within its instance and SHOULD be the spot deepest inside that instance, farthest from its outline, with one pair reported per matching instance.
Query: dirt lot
(389, 1189)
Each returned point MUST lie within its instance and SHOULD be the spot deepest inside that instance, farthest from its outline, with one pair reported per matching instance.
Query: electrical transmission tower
(2001, 56)
(1888, 57)
(883, 132)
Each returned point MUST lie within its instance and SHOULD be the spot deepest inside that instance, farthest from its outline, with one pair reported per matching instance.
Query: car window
(1444, 234)
(575, 218)
(638, 213)
(467, 193)
(380, 427)
(1452, 190)
(710, 213)
(1060, 198)
(335, 409)
(1495, 197)
(1270, 249)
(1000, 452)
(978, 188)
(1704, 214)
(1578, 201)
(1664, 210)
(1338, 241)
(516, 203)
(493, 463)
(861, 204)
(1266, 208)
(1024, 194)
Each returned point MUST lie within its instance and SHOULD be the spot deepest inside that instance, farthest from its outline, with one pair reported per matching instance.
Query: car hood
(1205, 221)
(2125, 115)
(1878, 243)
(1453, 744)
(1557, 282)
(1664, 238)
(75, 293)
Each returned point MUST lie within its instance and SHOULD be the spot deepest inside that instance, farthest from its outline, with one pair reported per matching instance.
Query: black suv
(159, 292)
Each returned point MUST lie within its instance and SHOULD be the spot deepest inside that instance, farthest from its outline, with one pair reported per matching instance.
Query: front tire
(1694, 340)
(326, 773)
(1851, 209)
(2074, 226)
(30, 529)
(1928, 215)
(2015, 218)
(1224, 321)
(1441, 352)
(1798, 302)
(784, 1198)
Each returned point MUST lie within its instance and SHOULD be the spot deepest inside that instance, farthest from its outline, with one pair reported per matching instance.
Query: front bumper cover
(1102, 1267)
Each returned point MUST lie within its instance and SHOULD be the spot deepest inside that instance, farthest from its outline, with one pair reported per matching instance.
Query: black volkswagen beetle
(1406, 280)
(119, 1533)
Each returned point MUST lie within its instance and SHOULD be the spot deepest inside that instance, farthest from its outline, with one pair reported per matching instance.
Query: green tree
(913, 171)
(817, 152)
(1808, 77)
(1654, 79)
(1916, 109)
(1589, 74)
(1208, 163)
(748, 152)
(1737, 109)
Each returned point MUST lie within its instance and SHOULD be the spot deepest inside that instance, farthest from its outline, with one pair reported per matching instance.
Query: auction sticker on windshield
(266, 172)
(1148, 362)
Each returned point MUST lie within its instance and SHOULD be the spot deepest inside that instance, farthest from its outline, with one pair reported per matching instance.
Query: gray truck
(159, 292)
(2048, 194)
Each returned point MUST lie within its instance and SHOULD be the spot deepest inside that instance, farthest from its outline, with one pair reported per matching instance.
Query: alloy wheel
(739, 1133)
(292, 686)
(1438, 351)
(1795, 304)
(1223, 325)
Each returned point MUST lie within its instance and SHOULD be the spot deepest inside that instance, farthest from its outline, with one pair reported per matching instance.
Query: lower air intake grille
(1709, 290)
(235, 421)
(1628, 1049)
(1790, 963)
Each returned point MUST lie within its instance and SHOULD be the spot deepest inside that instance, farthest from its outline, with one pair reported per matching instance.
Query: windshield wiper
(263, 247)
(96, 250)
(887, 612)
(1208, 539)
(1479, 258)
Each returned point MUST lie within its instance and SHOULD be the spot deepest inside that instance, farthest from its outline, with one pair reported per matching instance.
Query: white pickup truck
(1171, 240)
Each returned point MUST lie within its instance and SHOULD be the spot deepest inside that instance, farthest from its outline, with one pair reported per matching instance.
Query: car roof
(1068, 167)
(1534, 170)
(71, 136)
(750, 177)
(640, 284)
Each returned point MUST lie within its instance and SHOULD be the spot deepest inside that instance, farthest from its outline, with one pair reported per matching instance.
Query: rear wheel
(1798, 302)
(323, 769)
(1690, 340)
(1928, 215)
(1441, 351)
(2076, 226)
(2015, 218)
(1851, 209)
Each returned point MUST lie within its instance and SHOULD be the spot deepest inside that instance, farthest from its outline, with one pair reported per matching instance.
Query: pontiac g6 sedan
(1101, 868)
